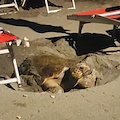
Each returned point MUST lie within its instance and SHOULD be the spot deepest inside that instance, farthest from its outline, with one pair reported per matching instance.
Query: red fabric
(100, 11)
(114, 16)
(6, 37)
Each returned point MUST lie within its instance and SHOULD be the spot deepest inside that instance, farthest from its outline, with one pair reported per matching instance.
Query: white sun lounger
(109, 15)
(13, 4)
(8, 39)
(52, 11)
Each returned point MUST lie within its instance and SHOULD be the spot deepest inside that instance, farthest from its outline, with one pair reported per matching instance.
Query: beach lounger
(13, 4)
(105, 16)
(9, 39)
(52, 11)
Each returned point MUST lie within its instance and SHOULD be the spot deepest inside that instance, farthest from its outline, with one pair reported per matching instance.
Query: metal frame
(114, 36)
(52, 11)
(115, 28)
(96, 18)
(17, 78)
(74, 7)
(48, 10)
(14, 4)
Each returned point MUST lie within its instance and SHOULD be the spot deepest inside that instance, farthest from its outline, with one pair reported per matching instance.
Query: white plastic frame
(14, 4)
(17, 79)
(74, 7)
(52, 11)
(110, 13)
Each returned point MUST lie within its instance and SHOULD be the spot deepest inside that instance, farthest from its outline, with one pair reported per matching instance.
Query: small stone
(103, 92)
(82, 95)
(8, 31)
(87, 89)
(113, 96)
(52, 96)
(18, 117)
(25, 95)
(26, 42)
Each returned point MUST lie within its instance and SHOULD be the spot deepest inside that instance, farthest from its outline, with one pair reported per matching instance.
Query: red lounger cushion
(6, 37)
(103, 11)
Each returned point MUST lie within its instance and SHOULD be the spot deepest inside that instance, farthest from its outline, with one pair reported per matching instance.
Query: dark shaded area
(116, 34)
(112, 8)
(9, 86)
(31, 3)
(68, 78)
(5, 78)
(40, 28)
(37, 4)
(87, 42)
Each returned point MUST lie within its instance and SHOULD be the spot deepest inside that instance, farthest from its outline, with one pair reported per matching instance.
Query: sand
(48, 35)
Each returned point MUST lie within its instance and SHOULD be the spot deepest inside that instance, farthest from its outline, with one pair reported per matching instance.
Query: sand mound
(52, 57)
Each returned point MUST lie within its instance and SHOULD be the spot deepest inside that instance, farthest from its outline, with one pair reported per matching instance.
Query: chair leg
(81, 24)
(23, 3)
(17, 72)
(114, 32)
(50, 11)
(114, 35)
(16, 5)
(74, 7)
(14, 64)
(73, 4)
(17, 78)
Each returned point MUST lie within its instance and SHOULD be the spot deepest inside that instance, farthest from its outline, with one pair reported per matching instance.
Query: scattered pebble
(106, 110)
(8, 31)
(52, 96)
(103, 105)
(103, 92)
(113, 96)
(18, 117)
(52, 102)
(87, 89)
(26, 42)
(25, 95)
(82, 95)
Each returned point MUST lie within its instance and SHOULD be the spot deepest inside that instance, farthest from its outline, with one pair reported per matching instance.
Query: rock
(64, 48)
(18, 117)
(52, 96)
(25, 95)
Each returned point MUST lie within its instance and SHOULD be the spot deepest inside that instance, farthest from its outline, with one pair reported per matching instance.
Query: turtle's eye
(81, 68)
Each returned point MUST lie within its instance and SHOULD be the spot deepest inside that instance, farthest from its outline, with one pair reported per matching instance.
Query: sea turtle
(71, 77)
(66, 79)
(52, 75)
(88, 80)
(53, 83)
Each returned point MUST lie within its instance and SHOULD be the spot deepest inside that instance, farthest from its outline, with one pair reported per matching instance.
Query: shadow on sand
(116, 34)
(40, 28)
(87, 42)
(37, 4)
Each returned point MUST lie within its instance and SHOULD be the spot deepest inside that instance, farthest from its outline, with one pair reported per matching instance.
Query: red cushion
(101, 11)
(6, 37)
(114, 16)
(98, 11)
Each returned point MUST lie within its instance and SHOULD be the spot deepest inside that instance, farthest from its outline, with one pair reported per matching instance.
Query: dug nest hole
(58, 75)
